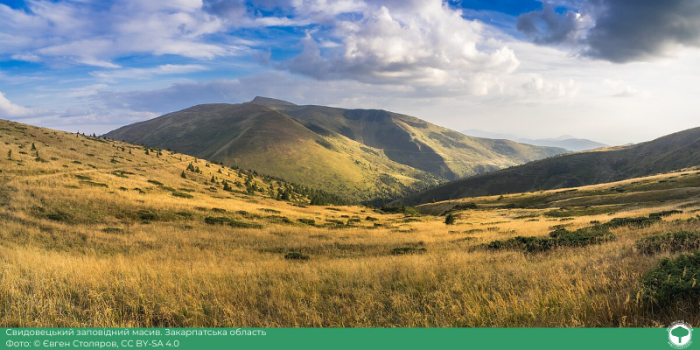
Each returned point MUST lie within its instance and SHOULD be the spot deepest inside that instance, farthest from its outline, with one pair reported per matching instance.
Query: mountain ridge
(362, 153)
(671, 152)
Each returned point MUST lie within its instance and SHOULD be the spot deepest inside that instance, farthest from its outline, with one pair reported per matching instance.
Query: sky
(614, 71)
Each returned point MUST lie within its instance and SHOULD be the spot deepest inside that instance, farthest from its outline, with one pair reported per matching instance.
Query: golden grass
(103, 266)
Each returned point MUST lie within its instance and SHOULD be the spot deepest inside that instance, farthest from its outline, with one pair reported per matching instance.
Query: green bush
(528, 244)
(670, 242)
(156, 182)
(673, 281)
(408, 250)
(296, 256)
(146, 215)
(58, 216)
(230, 222)
(96, 184)
(464, 206)
(112, 230)
(450, 219)
(557, 238)
(640, 221)
(665, 213)
(311, 222)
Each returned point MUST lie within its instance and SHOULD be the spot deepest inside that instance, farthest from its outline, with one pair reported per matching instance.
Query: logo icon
(679, 335)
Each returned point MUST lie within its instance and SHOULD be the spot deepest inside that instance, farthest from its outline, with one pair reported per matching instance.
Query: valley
(104, 233)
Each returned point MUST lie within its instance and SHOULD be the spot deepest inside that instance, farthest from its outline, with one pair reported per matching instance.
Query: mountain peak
(270, 102)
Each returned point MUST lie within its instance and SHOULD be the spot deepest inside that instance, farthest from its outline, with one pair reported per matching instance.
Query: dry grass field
(87, 240)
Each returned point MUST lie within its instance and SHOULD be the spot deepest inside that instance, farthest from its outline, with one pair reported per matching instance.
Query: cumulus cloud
(411, 42)
(85, 33)
(547, 26)
(634, 30)
(618, 31)
(538, 86)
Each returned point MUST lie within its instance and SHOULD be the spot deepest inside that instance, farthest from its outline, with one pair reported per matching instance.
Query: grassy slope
(100, 261)
(360, 154)
(414, 142)
(675, 151)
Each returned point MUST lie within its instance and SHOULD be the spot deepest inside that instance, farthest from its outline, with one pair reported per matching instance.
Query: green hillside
(360, 154)
(676, 151)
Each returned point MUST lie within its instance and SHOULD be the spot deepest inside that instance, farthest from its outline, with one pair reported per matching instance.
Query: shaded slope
(675, 151)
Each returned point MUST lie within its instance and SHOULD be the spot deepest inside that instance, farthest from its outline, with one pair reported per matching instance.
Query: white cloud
(26, 58)
(145, 73)
(425, 43)
(10, 110)
(83, 33)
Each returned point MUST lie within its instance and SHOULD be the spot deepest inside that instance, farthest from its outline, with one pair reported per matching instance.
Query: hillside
(572, 144)
(359, 154)
(566, 142)
(101, 233)
(675, 151)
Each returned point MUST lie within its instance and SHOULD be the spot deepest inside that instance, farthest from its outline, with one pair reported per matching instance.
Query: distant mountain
(489, 134)
(567, 142)
(572, 144)
(358, 153)
(675, 151)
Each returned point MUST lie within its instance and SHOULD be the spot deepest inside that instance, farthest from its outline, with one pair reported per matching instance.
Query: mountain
(489, 134)
(570, 143)
(567, 142)
(358, 153)
(675, 151)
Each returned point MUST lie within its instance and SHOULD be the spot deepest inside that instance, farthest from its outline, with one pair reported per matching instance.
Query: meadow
(102, 233)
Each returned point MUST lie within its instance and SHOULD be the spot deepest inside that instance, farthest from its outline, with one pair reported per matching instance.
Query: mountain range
(358, 153)
(672, 152)
(567, 142)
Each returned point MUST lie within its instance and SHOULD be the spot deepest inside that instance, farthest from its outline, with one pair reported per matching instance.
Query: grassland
(93, 235)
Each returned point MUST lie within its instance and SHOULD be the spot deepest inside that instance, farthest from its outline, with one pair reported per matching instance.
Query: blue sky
(617, 71)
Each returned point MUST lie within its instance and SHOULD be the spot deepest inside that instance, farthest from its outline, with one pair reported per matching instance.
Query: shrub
(156, 182)
(278, 218)
(450, 219)
(640, 221)
(58, 216)
(96, 184)
(673, 281)
(464, 206)
(146, 215)
(296, 256)
(665, 213)
(408, 250)
(557, 238)
(311, 222)
(227, 221)
(670, 242)
(112, 230)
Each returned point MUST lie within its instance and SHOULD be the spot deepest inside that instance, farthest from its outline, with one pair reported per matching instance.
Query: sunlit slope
(100, 233)
(672, 152)
(360, 154)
